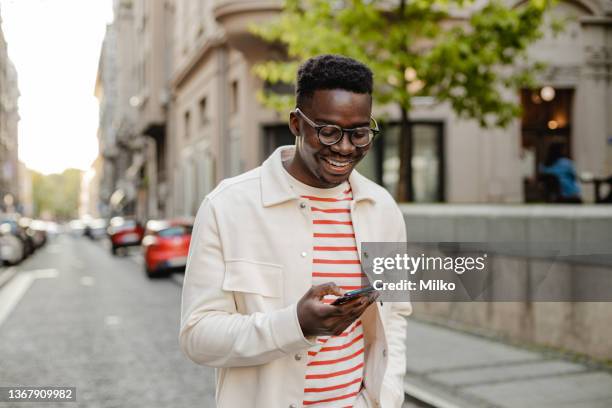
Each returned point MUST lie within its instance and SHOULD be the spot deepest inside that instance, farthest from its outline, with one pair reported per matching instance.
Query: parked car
(124, 232)
(76, 228)
(12, 243)
(95, 229)
(36, 231)
(166, 246)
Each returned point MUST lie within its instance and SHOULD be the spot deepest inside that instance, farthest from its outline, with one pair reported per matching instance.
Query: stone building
(121, 146)
(218, 128)
(9, 119)
(153, 24)
(191, 117)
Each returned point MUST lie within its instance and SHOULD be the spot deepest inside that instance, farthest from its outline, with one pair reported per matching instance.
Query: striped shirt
(335, 366)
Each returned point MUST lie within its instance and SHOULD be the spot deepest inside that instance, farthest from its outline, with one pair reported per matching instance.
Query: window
(202, 110)
(234, 97)
(187, 124)
(382, 164)
(546, 120)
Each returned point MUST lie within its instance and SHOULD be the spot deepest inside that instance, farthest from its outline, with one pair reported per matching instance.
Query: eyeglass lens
(332, 134)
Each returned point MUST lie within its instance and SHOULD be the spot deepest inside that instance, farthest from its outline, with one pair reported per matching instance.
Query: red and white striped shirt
(335, 365)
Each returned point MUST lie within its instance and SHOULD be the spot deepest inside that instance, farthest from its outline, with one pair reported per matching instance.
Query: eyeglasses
(331, 134)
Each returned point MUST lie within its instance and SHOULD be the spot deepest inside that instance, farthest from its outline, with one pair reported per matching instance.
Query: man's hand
(319, 319)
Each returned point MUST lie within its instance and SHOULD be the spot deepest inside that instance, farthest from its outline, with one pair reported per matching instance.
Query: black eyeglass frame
(375, 131)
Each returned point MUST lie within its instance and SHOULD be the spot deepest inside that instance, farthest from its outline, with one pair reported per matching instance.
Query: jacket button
(297, 357)
(304, 254)
(302, 205)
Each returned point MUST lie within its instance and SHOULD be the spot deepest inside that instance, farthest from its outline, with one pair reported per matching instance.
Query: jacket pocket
(257, 278)
(256, 286)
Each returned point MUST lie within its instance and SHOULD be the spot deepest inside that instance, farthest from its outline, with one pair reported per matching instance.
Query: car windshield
(175, 231)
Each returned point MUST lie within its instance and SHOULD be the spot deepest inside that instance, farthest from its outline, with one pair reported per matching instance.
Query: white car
(12, 249)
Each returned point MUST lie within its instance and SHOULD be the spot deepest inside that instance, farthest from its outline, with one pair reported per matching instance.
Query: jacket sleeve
(212, 332)
(392, 395)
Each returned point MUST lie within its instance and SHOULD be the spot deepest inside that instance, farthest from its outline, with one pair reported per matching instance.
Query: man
(273, 247)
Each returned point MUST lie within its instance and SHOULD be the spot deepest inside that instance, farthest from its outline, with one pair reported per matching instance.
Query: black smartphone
(352, 295)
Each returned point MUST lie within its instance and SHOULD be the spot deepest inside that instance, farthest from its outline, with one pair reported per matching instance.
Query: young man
(273, 247)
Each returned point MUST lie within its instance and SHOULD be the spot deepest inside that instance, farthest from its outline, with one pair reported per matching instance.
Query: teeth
(338, 164)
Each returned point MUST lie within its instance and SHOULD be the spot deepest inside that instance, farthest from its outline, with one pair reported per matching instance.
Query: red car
(124, 232)
(166, 245)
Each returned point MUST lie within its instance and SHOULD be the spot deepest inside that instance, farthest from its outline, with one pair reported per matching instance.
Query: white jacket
(250, 262)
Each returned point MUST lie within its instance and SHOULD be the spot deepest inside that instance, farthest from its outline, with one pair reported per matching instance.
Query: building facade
(122, 147)
(9, 120)
(197, 120)
(219, 129)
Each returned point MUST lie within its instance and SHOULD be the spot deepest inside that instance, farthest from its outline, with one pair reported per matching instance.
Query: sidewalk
(449, 368)
(6, 274)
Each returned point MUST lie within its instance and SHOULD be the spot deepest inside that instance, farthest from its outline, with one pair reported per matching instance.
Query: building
(185, 113)
(9, 119)
(121, 146)
(219, 129)
(153, 32)
(26, 202)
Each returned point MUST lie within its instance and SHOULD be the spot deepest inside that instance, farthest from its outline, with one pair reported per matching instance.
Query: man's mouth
(338, 164)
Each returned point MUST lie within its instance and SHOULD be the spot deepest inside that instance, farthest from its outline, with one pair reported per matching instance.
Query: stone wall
(582, 327)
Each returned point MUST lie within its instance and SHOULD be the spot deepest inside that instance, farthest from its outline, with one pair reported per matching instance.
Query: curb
(440, 397)
(6, 275)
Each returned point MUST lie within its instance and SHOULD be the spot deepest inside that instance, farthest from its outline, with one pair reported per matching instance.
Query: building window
(234, 97)
(427, 160)
(546, 120)
(202, 111)
(187, 124)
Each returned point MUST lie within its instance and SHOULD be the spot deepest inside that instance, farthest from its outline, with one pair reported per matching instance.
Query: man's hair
(331, 72)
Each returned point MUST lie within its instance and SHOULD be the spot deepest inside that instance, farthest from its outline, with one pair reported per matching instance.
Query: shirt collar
(275, 188)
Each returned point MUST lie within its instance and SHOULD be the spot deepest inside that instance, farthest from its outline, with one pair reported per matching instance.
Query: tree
(415, 48)
(57, 194)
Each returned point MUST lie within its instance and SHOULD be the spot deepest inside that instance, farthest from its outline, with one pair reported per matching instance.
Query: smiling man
(274, 247)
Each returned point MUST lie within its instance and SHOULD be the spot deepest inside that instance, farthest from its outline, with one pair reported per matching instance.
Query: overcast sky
(55, 45)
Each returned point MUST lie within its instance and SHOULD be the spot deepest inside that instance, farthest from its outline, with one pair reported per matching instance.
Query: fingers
(329, 288)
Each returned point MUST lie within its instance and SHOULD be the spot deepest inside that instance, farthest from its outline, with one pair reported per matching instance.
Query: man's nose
(344, 146)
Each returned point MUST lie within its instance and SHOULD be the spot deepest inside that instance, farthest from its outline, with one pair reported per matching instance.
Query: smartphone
(352, 295)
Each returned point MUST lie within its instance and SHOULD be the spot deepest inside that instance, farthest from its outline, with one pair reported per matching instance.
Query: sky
(55, 46)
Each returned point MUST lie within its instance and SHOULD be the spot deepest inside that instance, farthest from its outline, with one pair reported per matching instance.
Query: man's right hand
(319, 319)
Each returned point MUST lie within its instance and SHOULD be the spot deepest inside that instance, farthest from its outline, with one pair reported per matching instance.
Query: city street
(95, 322)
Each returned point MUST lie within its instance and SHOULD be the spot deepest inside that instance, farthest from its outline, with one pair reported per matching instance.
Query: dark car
(124, 232)
(36, 231)
(166, 246)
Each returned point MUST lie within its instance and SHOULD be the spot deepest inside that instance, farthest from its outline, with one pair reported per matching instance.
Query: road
(95, 322)
(74, 315)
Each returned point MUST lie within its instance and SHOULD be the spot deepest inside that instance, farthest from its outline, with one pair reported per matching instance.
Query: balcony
(236, 16)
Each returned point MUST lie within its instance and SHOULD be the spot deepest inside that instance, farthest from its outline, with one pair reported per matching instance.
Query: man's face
(327, 166)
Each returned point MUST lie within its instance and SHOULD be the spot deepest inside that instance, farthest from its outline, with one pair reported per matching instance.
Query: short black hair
(331, 72)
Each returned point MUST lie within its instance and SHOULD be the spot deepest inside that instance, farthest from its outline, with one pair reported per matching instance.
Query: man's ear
(294, 124)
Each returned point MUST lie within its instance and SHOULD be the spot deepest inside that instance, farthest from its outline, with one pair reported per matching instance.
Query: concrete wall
(581, 327)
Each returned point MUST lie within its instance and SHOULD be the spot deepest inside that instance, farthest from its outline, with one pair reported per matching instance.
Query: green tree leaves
(471, 63)
(56, 194)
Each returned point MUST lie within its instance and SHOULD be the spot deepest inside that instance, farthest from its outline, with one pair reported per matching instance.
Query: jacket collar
(275, 187)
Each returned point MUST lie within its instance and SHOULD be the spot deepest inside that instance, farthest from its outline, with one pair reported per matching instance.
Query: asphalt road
(95, 322)
(73, 315)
